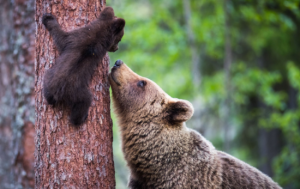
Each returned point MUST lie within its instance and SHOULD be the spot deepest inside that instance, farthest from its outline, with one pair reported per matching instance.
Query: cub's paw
(47, 18)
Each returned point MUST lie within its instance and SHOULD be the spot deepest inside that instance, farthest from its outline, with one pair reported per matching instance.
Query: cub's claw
(47, 17)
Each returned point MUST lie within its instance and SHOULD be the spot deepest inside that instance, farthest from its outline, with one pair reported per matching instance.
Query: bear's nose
(118, 63)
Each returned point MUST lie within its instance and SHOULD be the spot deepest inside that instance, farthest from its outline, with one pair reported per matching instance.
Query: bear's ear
(179, 111)
(118, 25)
(107, 13)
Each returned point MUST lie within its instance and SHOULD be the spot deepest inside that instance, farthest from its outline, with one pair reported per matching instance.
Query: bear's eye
(141, 83)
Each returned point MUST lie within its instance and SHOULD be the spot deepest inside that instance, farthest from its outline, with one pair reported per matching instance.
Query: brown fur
(161, 151)
(81, 50)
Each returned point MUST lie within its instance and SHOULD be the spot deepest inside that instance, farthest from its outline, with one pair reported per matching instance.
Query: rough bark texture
(69, 157)
(16, 94)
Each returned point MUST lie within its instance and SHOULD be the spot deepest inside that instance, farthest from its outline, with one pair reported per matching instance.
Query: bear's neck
(150, 147)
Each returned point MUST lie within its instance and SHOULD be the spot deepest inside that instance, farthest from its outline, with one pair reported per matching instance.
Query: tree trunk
(270, 141)
(192, 43)
(227, 67)
(16, 94)
(69, 157)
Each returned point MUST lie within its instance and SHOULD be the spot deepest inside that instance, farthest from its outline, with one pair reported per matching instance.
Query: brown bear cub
(161, 151)
(81, 50)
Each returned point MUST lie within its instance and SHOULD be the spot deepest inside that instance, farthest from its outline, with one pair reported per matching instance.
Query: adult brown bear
(161, 151)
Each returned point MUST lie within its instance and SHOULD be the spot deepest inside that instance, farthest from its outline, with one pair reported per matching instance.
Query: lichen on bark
(17, 94)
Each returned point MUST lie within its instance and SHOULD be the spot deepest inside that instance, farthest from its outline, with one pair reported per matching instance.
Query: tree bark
(17, 94)
(69, 157)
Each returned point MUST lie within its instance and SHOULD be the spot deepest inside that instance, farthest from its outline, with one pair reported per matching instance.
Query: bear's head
(140, 100)
(116, 27)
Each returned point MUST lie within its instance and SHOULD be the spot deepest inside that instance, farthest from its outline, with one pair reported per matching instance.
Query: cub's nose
(118, 63)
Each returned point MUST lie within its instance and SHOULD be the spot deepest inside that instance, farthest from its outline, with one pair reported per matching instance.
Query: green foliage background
(264, 76)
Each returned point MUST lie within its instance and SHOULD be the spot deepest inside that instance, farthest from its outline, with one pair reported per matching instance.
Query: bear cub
(67, 81)
(161, 151)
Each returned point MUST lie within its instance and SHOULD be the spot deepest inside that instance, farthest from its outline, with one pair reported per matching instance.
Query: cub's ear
(107, 13)
(118, 25)
(179, 111)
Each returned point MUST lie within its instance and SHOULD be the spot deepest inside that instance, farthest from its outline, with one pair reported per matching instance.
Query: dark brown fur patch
(177, 112)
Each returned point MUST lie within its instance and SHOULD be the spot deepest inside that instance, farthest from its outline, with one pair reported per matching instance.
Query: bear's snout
(121, 74)
(118, 63)
(113, 75)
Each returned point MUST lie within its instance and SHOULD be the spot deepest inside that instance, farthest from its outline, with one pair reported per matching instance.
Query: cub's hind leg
(80, 109)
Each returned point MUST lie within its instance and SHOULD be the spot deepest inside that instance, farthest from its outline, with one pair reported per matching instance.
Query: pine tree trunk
(227, 67)
(17, 94)
(69, 157)
(196, 59)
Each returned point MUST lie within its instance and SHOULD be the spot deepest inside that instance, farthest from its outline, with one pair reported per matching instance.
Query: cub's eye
(141, 83)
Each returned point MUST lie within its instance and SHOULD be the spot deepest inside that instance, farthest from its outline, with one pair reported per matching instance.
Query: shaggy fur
(161, 151)
(67, 82)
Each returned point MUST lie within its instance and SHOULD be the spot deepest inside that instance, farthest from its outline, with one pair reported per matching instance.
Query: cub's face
(116, 27)
(138, 97)
(117, 34)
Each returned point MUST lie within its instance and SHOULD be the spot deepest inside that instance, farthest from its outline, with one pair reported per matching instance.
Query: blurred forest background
(237, 61)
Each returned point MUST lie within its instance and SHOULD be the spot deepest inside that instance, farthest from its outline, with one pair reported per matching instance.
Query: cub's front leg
(59, 36)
